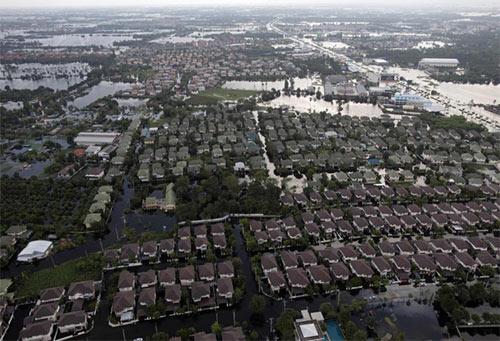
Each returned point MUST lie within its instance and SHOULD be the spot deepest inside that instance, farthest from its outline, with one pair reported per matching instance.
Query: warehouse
(36, 249)
(438, 63)
(96, 138)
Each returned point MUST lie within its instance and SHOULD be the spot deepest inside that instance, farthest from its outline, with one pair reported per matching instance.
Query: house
(261, 236)
(200, 291)
(459, 245)
(276, 280)
(46, 311)
(424, 263)
(308, 258)
(167, 276)
(201, 244)
(123, 305)
(173, 294)
(167, 246)
(150, 249)
(147, 297)
(329, 255)
(297, 278)
(466, 261)
(340, 271)
(217, 230)
(445, 262)
(312, 229)
(220, 242)
(422, 246)
(294, 233)
(147, 278)
(319, 274)
(268, 263)
(289, 259)
(225, 269)
(186, 275)
(477, 244)
(72, 322)
(382, 266)
(404, 248)
(367, 250)
(200, 231)
(401, 263)
(386, 248)
(126, 281)
(255, 225)
(206, 272)
(225, 288)
(130, 253)
(441, 245)
(348, 253)
(184, 232)
(38, 331)
(361, 268)
(184, 247)
(484, 258)
(51, 294)
(81, 290)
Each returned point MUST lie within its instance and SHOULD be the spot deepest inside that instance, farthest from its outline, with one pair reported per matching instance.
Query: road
(423, 84)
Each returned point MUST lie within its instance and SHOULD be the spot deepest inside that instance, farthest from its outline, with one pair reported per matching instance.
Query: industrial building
(438, 63)
(36, 249)
(96, 138)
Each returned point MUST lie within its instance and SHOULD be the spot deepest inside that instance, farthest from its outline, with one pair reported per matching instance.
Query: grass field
(212, 96)
(29, 285)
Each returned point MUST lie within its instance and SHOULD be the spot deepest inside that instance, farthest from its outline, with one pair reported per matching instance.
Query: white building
(36, 249)
(96, 138)
(438, 62)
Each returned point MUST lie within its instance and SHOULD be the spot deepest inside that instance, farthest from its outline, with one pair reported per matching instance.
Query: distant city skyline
(297, 3)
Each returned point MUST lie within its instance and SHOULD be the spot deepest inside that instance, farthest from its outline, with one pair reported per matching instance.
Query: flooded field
(103, 89)
(302, 83)
(33, 75)
(311, 104)
(106, 40)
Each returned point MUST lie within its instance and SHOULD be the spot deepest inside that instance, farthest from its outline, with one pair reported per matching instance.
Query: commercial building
(36, 249)
(438, 63)
(96, 138)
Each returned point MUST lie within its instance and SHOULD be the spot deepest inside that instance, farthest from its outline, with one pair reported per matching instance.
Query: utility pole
(270, 326)
(100, 243)
(234, 317)
(123, 334)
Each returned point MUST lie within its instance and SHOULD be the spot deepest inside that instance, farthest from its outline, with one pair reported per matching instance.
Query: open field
(76, 270)
(212, 96)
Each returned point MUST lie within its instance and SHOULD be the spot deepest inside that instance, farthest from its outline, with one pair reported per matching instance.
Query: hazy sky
(124, 3)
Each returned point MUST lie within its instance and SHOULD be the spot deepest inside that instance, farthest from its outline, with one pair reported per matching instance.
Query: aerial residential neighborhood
(228, 171)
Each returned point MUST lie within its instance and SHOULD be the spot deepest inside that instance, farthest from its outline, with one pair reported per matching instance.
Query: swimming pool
(334, 331)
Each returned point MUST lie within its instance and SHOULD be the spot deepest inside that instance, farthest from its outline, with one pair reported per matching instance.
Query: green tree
(216, 328)
(257, 304)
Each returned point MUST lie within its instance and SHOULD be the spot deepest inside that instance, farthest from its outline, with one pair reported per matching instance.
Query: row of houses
(376, 194)
(325, 225)
(183, 246)
(209, 285)
(52, 318)
(399, 262)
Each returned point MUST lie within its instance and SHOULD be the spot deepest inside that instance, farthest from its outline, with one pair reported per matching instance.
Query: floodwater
(479, 93)
(52, 83)
(54, 76)
(302, 83)
(311, 104)
(103, 89)
(173, 39)
(106, 40)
